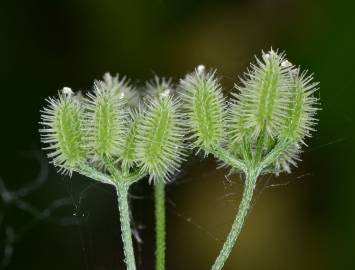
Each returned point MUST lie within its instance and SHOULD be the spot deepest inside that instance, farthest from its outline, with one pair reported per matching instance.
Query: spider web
(18, 199)
(230, 199)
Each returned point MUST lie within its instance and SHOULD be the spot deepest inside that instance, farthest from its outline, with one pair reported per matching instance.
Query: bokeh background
(305, 220)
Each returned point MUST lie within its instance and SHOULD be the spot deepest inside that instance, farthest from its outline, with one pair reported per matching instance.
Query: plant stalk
(226, 157)
(244, 206)
(126, 232)
(159, 193)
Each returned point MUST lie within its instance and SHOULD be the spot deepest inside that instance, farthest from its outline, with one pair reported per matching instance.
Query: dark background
(305, 220)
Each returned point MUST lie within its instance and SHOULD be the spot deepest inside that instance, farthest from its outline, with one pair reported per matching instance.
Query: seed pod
(105, 117)
(300, 115)
(158, 86)
(288, 159)
(262, 102)
(128, 154)
(300, 119)
(120, 86)
(160, 138)
(62, 131)
(204, 105)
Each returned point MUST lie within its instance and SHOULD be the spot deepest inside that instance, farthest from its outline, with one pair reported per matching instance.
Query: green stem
(274, 154)
(122, 195)
(92, 173)
(159, 192)
(244, 206)
(122, 185)
(259, 146)
(226, 157)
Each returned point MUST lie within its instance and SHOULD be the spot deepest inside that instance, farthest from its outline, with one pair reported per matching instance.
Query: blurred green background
(305, 220)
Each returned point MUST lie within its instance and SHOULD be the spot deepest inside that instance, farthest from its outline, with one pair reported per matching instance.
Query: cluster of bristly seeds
(114, 125)
(149, 131)
(117, 134)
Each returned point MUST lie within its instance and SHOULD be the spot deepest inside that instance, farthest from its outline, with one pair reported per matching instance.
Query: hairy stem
(94, 174)
(274, 154)
(159, 192)
(244, 206)
(122, 195)
(226, 157)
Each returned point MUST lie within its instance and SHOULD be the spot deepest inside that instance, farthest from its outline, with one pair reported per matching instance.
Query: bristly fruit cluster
(63, 131)
(112, 127)
(116, 134)
(274, 102)
(205, 109)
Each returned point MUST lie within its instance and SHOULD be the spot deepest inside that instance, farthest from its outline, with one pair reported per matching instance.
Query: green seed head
(274, 104)
(300, 119)
(160, 138)
(261, 102)
(122, 87)
(106, 117)
(128, 154)
(204, 106)
(288, 159)
(301, 109)
(62, 131)
(159, 86)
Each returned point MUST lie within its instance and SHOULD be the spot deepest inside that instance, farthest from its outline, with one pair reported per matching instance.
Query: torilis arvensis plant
(118, 135)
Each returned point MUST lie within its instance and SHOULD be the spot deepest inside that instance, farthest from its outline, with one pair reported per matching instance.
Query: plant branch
(134, 177)
(223, 155)
(274, 154)
(92, 173)
(116, 173)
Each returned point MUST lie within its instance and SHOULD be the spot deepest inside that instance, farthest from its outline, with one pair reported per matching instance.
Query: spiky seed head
(62, 131)
(121, 86)
(128, 153)
(300, 120)
(159, 86)
(67, 91)
(204, 107)
(288, 159)
(261, 101)
(302, 107)
(160, 138)
(105, 121)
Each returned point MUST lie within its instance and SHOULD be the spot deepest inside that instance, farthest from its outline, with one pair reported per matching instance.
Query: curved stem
(92, 173)
(159, 193)
(122, 196)
(226, 157)
(274, 154)
(134, 177)
(244, 206)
